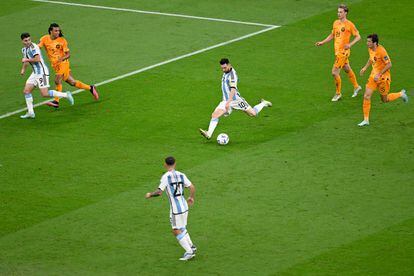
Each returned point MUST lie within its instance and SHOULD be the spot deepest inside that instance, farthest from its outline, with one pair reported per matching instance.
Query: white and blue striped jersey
(228, 81)
(40, 67)
(174, 183)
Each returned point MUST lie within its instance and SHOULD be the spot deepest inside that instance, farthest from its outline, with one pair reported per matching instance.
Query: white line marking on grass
(155, 13)
(154, 66)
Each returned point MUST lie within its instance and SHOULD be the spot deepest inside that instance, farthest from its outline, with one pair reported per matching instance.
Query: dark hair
(344, 7)
(55, 25)
(170, 160)
(24, 35)
(374, 38)
(224, 61)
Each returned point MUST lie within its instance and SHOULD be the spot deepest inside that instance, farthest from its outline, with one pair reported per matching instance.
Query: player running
(231, 99)
(39, 77)
(342, 31)
(174, 183)
(380, 78)
(58, 52)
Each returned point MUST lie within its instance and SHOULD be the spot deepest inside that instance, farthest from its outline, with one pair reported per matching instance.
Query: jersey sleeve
(163, 183)
(354, 30)
(35, 50)
(23, 53)
(187, 182)
(233, 80)
(41, 42)
(384, 56)
(65, 46)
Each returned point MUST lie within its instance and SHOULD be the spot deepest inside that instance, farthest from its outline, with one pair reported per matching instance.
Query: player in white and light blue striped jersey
(174, 182)
(231, 99)
(39, 77)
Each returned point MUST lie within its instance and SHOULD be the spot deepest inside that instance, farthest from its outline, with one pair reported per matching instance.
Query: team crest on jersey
(57, 46)
(343, 29)
(386, 58)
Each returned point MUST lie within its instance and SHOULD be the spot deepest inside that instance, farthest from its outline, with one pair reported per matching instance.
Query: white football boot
(404, 96)
(356, 90)
(363, 123)
(28, 116)
(336, 97)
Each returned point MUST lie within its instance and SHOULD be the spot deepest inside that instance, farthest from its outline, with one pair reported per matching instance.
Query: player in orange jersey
(380, 78)
(342, 31)
(58, 52)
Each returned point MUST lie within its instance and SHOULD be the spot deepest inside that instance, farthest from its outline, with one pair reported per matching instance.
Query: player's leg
(45, 92)
(336, 70)
(178, 223)
(352, 78)
(366, 105)
(72, 81)
(28, 88)
(218, 112)
(254, 112)
(58, 83)
(384, 88)
(43, 84)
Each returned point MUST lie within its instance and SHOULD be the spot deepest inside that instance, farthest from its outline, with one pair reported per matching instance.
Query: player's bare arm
(386, 68)
(355, 40)
(156, 193)
(190, 199)
(327, 39)
(232, 93)
(36, 58)
(65, 57)
(369, 62)
(24, 66)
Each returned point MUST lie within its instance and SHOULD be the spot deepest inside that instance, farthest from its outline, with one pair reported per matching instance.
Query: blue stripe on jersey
(182, 197)
(223, 89)
(36, 65)
(184, 203)
(177, 203)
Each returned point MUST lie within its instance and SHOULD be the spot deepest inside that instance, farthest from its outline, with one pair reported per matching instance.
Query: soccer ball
(223, 139)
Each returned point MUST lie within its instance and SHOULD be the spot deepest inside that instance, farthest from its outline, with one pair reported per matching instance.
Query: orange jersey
(55, 48)
(342, 32)
(379, 59)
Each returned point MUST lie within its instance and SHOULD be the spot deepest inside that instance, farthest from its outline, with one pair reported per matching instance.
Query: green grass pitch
(300, 190)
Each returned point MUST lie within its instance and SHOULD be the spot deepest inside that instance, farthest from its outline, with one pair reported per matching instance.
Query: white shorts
(40, 81)
(239, 104)
(178, 221)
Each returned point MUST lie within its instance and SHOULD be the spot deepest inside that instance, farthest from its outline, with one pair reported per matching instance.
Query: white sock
(29, 103)
(212, 126)
(188, 239)
(258, 108)
(184, 242)
(54, 93)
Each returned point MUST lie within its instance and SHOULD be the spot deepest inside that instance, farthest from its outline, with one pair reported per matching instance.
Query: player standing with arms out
(380, 78)
(231, 99)
(342, 31)
(174, 183)
(58, 52)
(39, 77)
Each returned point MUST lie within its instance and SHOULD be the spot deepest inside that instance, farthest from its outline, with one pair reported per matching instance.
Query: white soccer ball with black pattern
(223, 139)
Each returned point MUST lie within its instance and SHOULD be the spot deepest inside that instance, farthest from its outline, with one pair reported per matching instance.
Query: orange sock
(393, 96)
(81, 85)
(366, 107)
(352, 78)
(58, 88)
(338, 84)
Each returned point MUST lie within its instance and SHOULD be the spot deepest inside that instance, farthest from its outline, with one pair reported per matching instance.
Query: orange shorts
(382, 85)
(62, 69)
(341, 59)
